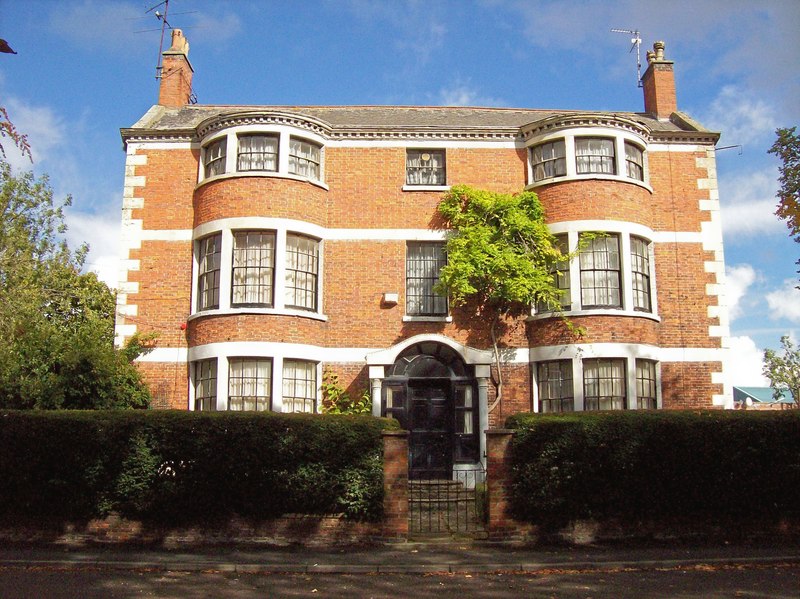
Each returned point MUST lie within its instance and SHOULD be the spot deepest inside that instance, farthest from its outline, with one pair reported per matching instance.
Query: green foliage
(499, 251)
(787, 149)
(188, 468)
(56, 323)
(783, 371)
(655, 466)
(336, 400)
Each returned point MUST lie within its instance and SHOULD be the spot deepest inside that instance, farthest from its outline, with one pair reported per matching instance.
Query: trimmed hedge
(655, 466)
(188, 467)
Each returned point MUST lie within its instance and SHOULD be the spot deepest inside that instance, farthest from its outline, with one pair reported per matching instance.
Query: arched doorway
(433, 394)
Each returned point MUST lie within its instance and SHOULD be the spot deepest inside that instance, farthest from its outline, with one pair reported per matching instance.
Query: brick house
(264, 244)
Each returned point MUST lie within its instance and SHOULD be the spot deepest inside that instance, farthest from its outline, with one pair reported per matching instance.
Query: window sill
(263, 174)
(426, 188)
(589, 177)
(260, 311)
(596, 312)
(427, 318)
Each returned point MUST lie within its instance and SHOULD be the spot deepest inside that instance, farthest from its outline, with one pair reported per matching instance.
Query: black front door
(430, 423)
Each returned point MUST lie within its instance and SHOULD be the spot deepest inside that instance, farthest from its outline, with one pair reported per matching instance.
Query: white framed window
(302, 271)
(253, 268)
(426, 167)
(215, 157)
(634, 161)
(595, 155)
(600, 273)
(588, 153)
(646, 385)
(205, 385)
(549, 160)
(604, 384)
(554, 383)
(304, 158)
(208, 278)
(299, 386)
(257, 152)
(249, 384)
(640, 271)
(241, 267)
(424, 261)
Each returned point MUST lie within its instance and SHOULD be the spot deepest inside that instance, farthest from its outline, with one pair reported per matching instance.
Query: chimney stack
(176, 73)
(658, 82)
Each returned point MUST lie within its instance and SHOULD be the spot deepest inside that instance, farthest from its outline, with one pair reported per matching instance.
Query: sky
(86, 68)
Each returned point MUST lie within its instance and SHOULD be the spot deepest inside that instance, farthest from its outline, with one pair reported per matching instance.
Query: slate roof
(343, 118)
(759, 395)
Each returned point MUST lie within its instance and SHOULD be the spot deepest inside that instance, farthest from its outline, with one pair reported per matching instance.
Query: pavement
(399, 558)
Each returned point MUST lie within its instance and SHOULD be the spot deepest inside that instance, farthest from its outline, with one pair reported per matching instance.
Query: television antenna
(636, 42)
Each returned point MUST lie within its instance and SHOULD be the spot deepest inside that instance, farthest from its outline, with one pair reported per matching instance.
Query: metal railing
(442, 505)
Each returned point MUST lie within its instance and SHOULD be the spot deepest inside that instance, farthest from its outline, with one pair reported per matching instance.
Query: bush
(652, 466)
(187, 467)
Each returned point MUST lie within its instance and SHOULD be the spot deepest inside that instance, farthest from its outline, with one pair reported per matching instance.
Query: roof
(760, 395)
(344, 120)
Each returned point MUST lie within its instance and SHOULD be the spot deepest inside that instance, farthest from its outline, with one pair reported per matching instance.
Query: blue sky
(85, 68)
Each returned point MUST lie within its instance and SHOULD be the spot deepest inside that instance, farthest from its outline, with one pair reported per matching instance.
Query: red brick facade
(351, 191)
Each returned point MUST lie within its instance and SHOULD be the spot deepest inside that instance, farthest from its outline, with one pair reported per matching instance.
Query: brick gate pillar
(498, 482)
(395, 484)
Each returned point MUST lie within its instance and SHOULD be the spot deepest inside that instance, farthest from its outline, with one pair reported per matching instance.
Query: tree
(783, 371)
(500, 259)
(7, 129)
(56, 323)
(787, 148)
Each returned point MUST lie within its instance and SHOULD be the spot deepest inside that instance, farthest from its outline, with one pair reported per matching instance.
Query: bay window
(302, 269)
(257, 153)
(205, 385)
(554, 383)
(215, 156)
(208, 259)
(600, 273)
(634, 161)
(253, 268)
(299, 386)
(604, 384)
(549, 160)
(640, 271)
(646, 385)
(595, 155)
(249, 384)
(304, 158)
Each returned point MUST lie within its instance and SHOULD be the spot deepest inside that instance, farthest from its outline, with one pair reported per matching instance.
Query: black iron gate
(455, 505)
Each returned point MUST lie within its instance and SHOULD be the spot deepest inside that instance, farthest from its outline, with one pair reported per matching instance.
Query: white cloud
(101, 232)
(461, 94)
(746, 363)
(44, 128)
(738, 280)
(785, 302)
(748, 203)
(742, 117)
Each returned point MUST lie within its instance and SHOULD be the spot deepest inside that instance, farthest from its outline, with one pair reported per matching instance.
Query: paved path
(405, 558)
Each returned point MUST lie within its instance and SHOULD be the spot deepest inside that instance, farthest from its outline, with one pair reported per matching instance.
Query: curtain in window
(249, 384)
(425, 167)
(299, 386)
(604, 384)
(258, 153)
(304, 159)
(634, 162)
(594, 155)
(302, 265)
(600, 276)
(253, 266)
(209, 250)
(549, 160)
(424, 261)
(215, 158)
